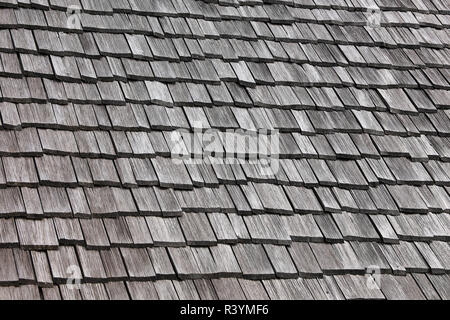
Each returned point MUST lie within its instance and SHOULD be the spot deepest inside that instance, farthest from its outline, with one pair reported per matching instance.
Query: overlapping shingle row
(97, 96)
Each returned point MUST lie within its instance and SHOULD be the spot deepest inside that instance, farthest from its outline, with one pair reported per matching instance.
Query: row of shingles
(189, 270)
(289, 77)
(46, 116)
(195, 263)
(316, 259)
(54, 20)
(389, 35)
(350, 287)
(390, 199)
(195, 7)
(429, 6)
(129, 172)
(360, 192)
(87, 143)
(224, 260)
(322, 160)
(89, 172)
(179, 94)
(152, 48)
(263, 93)
(198, 231)
(66, 68)
(270, 12)
(129, 231)
(117, 144)
(34, 202)
(189, 229)
(200, 289)
(196, 222)
(214, 227)
(403, 35)
(401, 6)
(143, 44)
(323, 173)
(225, 225)
(331, 116)
(337, 225)
(138, 264)
(415, 286)
(242, 199)
(158, 290)
(277, 261)
(24, 90)
(157, 202)
(61, 66)
(307, 122)
(208, 229)
(165, 289)
(228, 201)
(275, 10)
(390, 18)
(211, 72)
(58, 201)
(357, 257)
(410, 287)
(311, 122)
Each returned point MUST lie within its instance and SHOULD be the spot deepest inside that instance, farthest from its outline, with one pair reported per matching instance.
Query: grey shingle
(253, 261)
(138, 263)
(197, 229)
(62, 260)
(9, 272)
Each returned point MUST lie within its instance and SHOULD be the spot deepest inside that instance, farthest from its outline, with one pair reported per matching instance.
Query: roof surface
(91, 98)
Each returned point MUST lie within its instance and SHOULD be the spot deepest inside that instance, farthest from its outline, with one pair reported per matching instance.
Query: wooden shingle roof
(97, 96)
